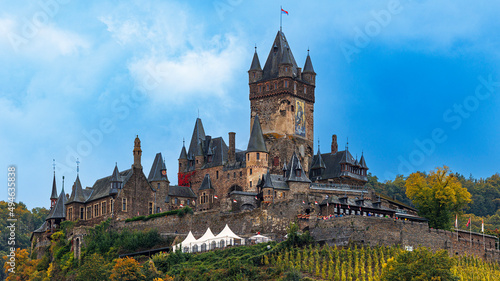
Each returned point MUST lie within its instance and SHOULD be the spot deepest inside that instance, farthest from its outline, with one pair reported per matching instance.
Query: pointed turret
(77, 192)
(295, 172)
(183, 153)
(268, 182)
(318, 162)
(256, 142)
(158, 171)
(362, 162)
(116, 181)
(59, 210)
(53, 196)
(197, 139)
(183, 159)
(308, 73)
(255, 62)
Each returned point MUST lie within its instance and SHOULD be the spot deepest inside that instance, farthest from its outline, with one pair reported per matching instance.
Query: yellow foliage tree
(126, 269)
(438, 196)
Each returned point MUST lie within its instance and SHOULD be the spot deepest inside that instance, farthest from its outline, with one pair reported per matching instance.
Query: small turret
(308, 73)
(286, 64)
(53, 196)
(255, 72)
(116, 182)
(183, 159)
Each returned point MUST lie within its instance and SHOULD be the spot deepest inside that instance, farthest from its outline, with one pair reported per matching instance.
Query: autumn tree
(438, 196)
(127, 269)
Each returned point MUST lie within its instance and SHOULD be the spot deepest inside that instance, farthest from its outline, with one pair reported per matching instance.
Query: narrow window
(176, 201)
(124, 204)
(234, 175)
(241, 174)
(217, 174)
(258, 156)
(248, 157)
(250, 171)
(250, 183)
(82, 213)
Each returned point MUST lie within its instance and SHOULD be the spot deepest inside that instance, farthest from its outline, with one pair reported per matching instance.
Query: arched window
(203, 247)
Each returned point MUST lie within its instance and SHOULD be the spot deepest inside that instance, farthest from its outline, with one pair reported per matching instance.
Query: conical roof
(59, 210)
(255, 62)
(256, 142)
(293, 166)
(207, 183)
(183, 153)
(54, 189)
(197, 138)
(308, 66)
(77, 192)
(279, 49)
(362, 162)
(156, 169)
(116, 174)
(347, 157)
(268, 182)
(318, 162)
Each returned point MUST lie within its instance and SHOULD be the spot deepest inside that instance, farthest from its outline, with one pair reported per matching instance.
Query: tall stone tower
(282, 95)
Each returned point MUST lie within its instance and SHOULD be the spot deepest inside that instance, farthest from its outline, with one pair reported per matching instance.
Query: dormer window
(286, 68)
(298, 173)
(286, 84)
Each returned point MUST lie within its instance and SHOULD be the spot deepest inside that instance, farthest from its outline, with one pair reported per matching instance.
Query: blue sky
(412, 84)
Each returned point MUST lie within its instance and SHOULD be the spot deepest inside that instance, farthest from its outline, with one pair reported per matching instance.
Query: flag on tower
(456, 221)
(284, 12)
(482, 225)
(215, 196)
(316, 202)
(468, 223)
(234, 201)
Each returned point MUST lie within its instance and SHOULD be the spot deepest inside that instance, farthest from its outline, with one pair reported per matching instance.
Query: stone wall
(384, 231)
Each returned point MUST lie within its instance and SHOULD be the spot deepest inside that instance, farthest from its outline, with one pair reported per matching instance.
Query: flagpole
(281, 16)
(470, 232)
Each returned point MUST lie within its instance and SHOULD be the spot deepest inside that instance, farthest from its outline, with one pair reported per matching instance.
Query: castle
(279, 164)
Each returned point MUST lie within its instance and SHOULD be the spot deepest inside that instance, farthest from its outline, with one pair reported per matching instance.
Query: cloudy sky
(412, 84)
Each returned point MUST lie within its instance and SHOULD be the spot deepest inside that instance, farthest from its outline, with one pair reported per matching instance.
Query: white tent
(185, 245)
(204, 242)
(208, 241)
(229, 238)
(260, 238)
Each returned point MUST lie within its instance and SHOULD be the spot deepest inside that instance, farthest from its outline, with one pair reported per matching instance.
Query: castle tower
(137, 153)
(283, 97)
(183, 160)
(257, 156)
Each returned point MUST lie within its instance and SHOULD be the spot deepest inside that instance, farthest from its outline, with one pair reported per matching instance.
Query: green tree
(419, 265)
(438, 196)
(93, 268)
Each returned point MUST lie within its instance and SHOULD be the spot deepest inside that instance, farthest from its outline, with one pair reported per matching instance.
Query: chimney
(299, 72)
(335, 147)
(231, 153)
(137, 153)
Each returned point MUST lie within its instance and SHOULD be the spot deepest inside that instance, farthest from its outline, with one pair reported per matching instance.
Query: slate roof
(364, 203)
(42, 228)
(54, 189)
(198, 137)
(59, 210)
(280, 51)
(293, 166)
(308, 67)
(256, 142)
(156, 168)
(332, 164)
(102, 187)
(317, 162)
(77, 194)
(362, 162)
(268, 181)
(183, 153)
(207, 183)
(179, 191)
(255, 62)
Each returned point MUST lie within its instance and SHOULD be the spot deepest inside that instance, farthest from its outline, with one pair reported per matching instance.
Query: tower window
(258, 156)
(293, 108)
(286, 68)
(260, 89)
(250, 183)
(250, 171)
(227, 175)
(286, 84)
(217, 174)
(234, 174)
(275, 85)
(276, 161)
(254, 75)
(82, 213)
(241, 174)
(267, 87)
(305, 90)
